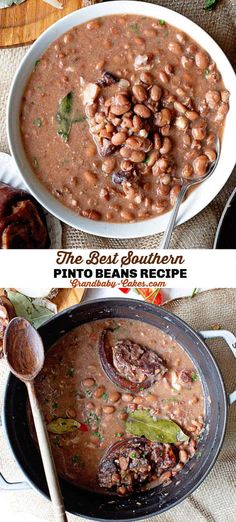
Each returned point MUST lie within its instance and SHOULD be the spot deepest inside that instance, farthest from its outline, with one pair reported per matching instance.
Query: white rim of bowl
(192, 205)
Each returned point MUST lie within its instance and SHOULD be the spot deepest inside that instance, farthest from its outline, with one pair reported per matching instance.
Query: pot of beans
(136, 108)
(134, 404)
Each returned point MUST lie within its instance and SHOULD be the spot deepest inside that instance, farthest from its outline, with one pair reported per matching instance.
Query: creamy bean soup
(117, 112)
(123, 405)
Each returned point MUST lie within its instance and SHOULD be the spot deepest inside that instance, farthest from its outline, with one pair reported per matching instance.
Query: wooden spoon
(23, 348)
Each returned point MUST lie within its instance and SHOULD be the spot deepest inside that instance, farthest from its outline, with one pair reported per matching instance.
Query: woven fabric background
(199, 232)
(214, 500)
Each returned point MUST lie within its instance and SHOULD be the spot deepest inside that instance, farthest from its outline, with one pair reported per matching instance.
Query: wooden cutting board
(22, 24)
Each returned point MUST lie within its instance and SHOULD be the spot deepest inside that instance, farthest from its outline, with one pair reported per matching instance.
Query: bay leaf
(60, 426)
(142, 424)
(26, 308)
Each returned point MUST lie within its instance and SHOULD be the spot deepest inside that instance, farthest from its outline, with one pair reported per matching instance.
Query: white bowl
(196, 201)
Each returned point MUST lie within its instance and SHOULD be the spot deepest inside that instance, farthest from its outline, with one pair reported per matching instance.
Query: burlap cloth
(214, 500)
(200, 231)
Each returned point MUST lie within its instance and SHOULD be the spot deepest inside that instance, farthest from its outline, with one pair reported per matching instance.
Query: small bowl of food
(112, 108)
(134, 405)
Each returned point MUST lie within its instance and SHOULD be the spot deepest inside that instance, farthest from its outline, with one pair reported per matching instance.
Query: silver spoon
(23, 348)
(186, 185)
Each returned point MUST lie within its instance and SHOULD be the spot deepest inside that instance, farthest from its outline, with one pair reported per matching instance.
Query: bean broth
(117, 111)
(73, 385)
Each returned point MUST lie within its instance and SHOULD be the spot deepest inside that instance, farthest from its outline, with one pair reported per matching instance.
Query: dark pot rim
(150, 308)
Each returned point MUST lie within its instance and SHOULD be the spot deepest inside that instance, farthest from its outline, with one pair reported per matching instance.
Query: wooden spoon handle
(47, 457)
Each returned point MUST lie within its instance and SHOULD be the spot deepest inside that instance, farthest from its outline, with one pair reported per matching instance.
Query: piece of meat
(129, 365)
(131, 463)
(107, 79)
(135, 362)
(22, 220)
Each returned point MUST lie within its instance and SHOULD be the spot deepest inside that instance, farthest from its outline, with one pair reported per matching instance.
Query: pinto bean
(179, 107)
(127, 397)
(99, 391)
(90, 150)
(212, 98)
(127, 215)
(187, 171)
(142, 110)
(134, 142)
(156, 93)
(186, 62)
(125, 152)
(181, 123)
(163, 77)
(126, 165)
(163, 117)
(166, 146)
(93, 24)
(222, 111)
(165, 130)
(201, 60)
(137, 156)
(114, 396)
(152, 157)
(191, 115)
(89, 382)
(90, 177)
(109, 165)
(119, 138)
(175, 48)
(200, 165)
(225, 96)
(210, 153)
(140, 92)
(199, 133)
(138, 400)
(146, 78)
(166, 179)
(108, 409)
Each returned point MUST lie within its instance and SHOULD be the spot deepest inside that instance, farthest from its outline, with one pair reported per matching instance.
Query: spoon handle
(47, 457)
(169, 229)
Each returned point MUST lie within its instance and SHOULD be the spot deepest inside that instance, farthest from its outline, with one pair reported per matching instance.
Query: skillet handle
(11, 486)
(230, 339)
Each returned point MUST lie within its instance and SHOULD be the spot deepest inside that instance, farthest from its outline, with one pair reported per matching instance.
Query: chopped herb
(70, 372)
(54, 405)
(170, 399)
(116, 328)
(142, 388)
(162, 22)
(194, 377)
(56, 440)
(37, 122)
(88, 393)
(146, 159)
(36, 64)
(209, 4)
(118, 434)
(134, 27)
(66, 103)
(98, 434)
(105, 396)
(195, 291)
(93, 417)
(35, 163)
(75, 459)
(206, 73)
(133, 455)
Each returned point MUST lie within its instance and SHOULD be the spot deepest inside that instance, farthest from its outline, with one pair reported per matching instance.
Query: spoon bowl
(187, 183)
(24, 352)
(23, 349)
